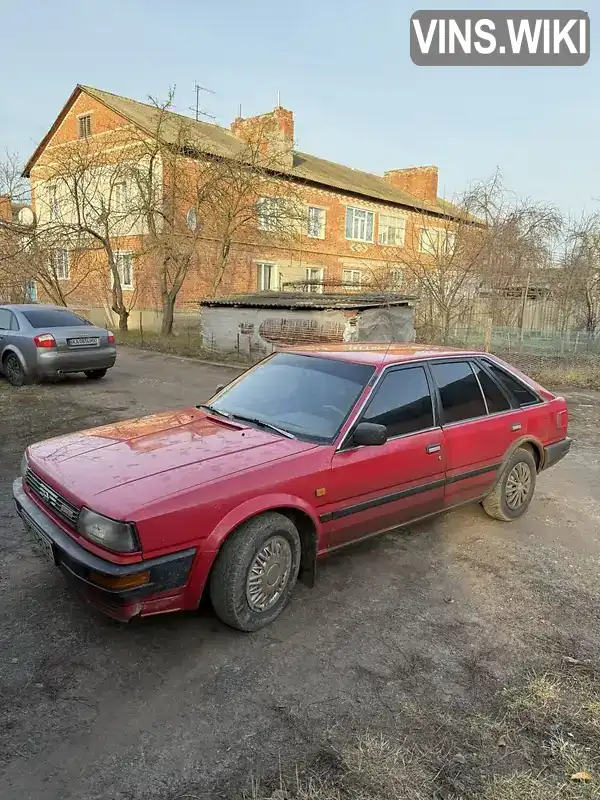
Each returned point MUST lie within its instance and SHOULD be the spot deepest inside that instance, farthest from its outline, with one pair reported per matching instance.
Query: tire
(13, 369)
(95, 374)
(512, 494)
(240, 572)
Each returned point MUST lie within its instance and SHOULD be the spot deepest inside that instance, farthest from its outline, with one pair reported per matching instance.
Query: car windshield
(306, 396)
(53, 318)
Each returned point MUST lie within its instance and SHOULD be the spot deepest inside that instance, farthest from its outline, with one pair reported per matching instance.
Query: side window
(521, 393)
(14, 323)
(494, 397)
(5, 318)
(459, 391)
(402, 402)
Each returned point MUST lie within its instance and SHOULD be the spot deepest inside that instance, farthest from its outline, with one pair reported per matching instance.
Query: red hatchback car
(305, 453)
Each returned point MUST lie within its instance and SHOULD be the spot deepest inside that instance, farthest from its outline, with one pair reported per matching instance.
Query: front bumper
(59, 362)
(168, 575)
(554, 453)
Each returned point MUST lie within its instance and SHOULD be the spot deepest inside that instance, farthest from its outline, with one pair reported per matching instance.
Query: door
(8, 327)
(479, 427)
(371, 489)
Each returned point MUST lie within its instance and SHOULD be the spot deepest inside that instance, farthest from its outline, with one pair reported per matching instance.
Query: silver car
(38, 341)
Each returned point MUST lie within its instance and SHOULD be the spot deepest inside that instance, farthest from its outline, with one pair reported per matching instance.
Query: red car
(305, 453)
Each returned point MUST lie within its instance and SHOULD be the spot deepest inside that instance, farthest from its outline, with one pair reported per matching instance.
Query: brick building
(355, 223)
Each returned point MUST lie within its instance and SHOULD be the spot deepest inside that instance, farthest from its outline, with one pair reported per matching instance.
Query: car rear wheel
(95, 374)
(13, 369)
(513, 492)
(255, 572)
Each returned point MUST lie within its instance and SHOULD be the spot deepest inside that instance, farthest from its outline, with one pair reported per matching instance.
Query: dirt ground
(455, 641)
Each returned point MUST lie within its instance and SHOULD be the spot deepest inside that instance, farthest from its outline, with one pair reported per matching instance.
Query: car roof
(376, 353)
(27, 306)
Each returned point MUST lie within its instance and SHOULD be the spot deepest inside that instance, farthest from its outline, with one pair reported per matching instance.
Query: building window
(359, 224)
(59, 265)
(84, 126)
(391, 230)
(316, 222)
(314, 280)
(352, 277)
(53, 202)
(396, 279)
(265, 276)
(436, 241)
(124, 262)
(270, 211)
(120, 197)
(31, 291)
(191, 220)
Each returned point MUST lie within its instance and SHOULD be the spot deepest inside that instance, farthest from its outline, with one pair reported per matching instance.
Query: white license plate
(91, 341)
(41, 544)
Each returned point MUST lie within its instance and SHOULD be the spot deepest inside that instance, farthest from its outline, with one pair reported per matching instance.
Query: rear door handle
(433, 448)
(516, 427)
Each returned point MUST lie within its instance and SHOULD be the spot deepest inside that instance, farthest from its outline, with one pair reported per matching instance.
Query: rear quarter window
(53, 318)
(517, 390)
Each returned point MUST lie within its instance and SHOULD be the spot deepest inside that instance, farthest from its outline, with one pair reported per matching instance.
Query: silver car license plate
(89, 341)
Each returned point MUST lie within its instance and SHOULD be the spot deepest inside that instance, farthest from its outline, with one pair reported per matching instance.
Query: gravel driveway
(398, 634)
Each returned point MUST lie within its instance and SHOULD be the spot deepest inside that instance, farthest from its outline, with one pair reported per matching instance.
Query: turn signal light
(45, 340)
(120, 581)
(111, 337)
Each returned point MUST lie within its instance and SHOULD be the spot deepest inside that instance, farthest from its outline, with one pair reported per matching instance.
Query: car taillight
(111, 337)
(44, 340)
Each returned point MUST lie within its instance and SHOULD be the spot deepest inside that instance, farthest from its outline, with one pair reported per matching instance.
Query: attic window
(85, 126)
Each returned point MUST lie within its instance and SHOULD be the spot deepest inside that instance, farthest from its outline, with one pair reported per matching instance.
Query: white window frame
(399, 230)
(260, 275)
(268, 221)
(314, 288)
(119, 256)
(53, 204)
(396, 278)
(349, 275)
(358, 224)
(444, 245)
(120, 197)
(323, 222)
(62, 271)
(32, 292)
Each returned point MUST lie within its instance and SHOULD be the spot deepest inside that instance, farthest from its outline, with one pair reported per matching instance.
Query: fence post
(141, 329)
(487, 341)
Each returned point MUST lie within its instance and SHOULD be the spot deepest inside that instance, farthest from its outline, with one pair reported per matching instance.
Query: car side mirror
(369, 434)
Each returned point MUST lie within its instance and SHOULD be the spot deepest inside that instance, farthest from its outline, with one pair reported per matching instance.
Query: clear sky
(342, 66)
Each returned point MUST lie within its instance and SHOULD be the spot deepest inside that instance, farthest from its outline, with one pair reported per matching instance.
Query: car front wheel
(513, 492)
(255, 572)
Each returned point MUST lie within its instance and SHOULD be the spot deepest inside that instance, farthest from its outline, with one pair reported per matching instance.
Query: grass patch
(542, 742)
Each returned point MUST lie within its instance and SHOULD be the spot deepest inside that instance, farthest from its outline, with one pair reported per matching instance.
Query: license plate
(90, 341)
(41, 543)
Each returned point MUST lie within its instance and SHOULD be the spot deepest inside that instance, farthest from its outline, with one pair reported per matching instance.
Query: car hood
(89, 463)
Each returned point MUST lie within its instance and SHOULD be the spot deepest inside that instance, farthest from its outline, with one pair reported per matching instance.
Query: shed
(256, 324)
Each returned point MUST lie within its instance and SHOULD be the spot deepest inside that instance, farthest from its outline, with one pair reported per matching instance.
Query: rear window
(53, 318)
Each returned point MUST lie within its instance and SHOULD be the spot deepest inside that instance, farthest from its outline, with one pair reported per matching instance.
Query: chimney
(421, 182)
(272, 134)
(6, 212)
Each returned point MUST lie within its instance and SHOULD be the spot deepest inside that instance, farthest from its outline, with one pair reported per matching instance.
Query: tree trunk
(123, 318)
(168, 307)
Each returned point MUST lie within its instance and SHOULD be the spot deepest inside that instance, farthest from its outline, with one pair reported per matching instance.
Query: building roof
(304, 300)
(215, 140)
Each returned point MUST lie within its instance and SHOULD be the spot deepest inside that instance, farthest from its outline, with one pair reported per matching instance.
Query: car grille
(52, 499)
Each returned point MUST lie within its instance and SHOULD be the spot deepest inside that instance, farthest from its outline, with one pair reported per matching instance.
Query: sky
(342, 66)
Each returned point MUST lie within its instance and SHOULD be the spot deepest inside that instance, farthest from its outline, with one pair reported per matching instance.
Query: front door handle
(433, 448)
(516, 427)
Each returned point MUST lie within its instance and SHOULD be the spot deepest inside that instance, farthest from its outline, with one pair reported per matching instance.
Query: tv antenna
(197, 110)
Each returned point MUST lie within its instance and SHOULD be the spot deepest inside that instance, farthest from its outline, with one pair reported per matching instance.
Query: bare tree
(579, 286)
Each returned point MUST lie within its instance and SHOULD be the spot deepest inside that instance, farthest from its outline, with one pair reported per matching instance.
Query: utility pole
(197, 110)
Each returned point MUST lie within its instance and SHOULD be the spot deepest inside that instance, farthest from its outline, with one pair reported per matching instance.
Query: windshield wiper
(262, 424)
(213, 410)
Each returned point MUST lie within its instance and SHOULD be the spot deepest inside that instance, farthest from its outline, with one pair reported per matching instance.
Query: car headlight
(24, 465)
(119, 536)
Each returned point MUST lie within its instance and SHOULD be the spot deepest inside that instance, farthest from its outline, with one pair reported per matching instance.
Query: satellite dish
(26, 216)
